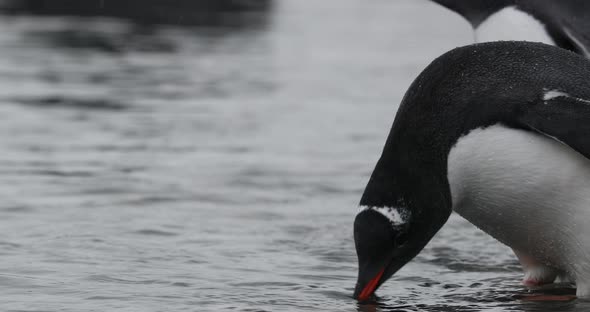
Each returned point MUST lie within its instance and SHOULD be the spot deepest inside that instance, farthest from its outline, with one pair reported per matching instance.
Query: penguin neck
(410, 179)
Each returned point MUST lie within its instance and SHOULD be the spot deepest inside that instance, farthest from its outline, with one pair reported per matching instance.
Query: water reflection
(177, 12)
(84, 35)
(549, 298)
(135, 25)
(99, 64)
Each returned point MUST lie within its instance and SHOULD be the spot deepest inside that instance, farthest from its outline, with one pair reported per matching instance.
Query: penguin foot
(535, 273)
(538, 275)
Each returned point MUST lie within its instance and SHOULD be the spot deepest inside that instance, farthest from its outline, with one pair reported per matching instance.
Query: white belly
(528, 191)
(512, 24)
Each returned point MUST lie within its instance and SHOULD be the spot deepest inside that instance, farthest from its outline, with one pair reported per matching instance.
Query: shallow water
(219, 169)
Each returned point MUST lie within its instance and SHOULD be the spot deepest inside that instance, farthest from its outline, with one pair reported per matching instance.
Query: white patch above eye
(396, 215)
(551, 94)
(511, 23)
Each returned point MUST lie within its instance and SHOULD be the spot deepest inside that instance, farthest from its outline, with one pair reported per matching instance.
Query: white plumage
(530, 192)
(512, 24)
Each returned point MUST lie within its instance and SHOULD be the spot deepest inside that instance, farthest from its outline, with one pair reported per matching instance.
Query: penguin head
(383, 246)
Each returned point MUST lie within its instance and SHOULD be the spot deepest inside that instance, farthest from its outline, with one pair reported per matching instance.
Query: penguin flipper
(580, 41)
(562, 117)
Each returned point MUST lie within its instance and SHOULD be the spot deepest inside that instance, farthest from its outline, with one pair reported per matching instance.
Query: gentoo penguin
(498, 132)
(565, 23)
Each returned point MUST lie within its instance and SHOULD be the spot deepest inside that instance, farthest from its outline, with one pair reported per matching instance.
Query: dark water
(209, 169)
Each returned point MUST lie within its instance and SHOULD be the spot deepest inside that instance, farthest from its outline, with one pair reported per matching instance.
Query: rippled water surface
(209, 169)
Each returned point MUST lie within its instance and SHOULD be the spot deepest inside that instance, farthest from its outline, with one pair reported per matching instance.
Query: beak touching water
(380, 249)
(383, 248)
(367, 284)
(374, 241)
